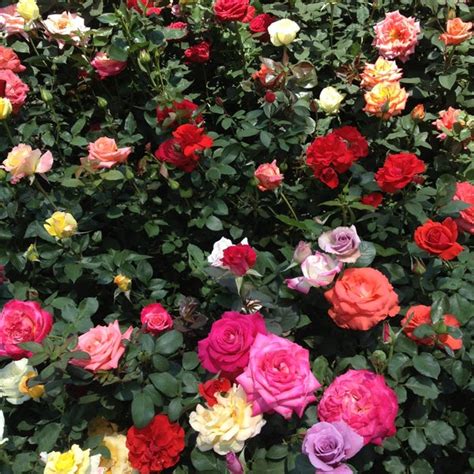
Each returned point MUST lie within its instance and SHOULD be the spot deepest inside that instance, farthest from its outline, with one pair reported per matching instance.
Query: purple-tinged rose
(302, 252)
(329, 445)
(233, 464)
(342, 242)
(318, 270)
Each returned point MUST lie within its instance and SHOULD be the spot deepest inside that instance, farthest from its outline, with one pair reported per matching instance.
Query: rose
(118, 463)
(233, 10)
(396, 36)
(9, 60)
(22, 321)
(457, 31)
(385, 100)
(75, 460)
(330, 100)
(61, 225)
(105, 347)
(155, 319)
(180, 112)
(302, 251)
(318, 270)
(446, 121)
(327, 176)
(14, 379)
(239, 259)
(226, 348)
(398, 171)
(354, 140)
(107, 67)
(418, 113)
(208, 390)
(268, 176)
(123, 282)
(66, 25)
(362, 298)
(15, 90)
(270, 97)
(233, 464)
(343, 242)
(328, 445)
(148, 5)
(155, 447)
(259, 26)
(5, 108)
(439, 238)
(283, 32)
(23, 161)
(28, 9)
(465, 193)
(11, 23)
(104, 153)
(217, 254)
(381, 71)
(199, 53)
(372, 199)
(269, 78)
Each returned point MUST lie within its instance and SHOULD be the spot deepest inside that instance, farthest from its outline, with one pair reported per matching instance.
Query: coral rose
(381, 71)
(396, 36)
(465, 193)
(457, 31)
(446, 121)
(104, 153)
(239, 259)
(362, 298)
(208, 390)
(278, 377)
(364, 401)
(107, 67)
(15, 89)
(268, 176)
(398, 171)
(233, 10)
(226, 348)
(105, 347)
(386, 100)
(9, 60)
(439, 238)
(22, 321)
(156, 447)
(155, 319)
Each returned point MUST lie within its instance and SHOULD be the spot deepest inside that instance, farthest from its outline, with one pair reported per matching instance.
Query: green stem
(9, 133)
(290, 207)
(43, 192)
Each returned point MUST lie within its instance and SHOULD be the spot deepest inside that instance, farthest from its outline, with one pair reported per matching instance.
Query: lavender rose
(342, 242)
(329, 445)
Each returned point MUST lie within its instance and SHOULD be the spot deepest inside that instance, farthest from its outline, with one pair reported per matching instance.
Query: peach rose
(446, 121)
(465, 192)
(381, 71)
(361, 299)
(66, 25)
(9, 60)
(107, 67)
(457, 31)
(104, 153)
(386, 100)
(268, 176)
(105, 347)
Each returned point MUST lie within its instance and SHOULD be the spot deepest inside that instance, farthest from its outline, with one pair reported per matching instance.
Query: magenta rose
(364, 401)
(106, 67)
(227, 347)
(278, 377)
(22, 321)
(155, 319)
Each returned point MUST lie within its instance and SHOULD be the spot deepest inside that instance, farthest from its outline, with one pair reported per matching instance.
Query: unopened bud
(102, 103)
(418, 113)
(379, 360)
(144, 57)
(418, 267)
(173, 184)
(302, 252)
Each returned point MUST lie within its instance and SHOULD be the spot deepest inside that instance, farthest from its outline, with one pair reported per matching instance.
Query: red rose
(234, 10)
(180, 112)
(239, 259)
(328, 176)
(330, 150)
(139, 5)
(199, 53)
(208, 389)
(398, 171)
(439, 238)
(156, 447)
(354, 140)
(259, 26)
(270, 97)
(372, 199)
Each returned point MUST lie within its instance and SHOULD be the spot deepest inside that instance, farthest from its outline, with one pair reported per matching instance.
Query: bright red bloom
(354, 140)
(156, 447)
(234, 10)
(259, 26)
(149, 6)
(398, 171)
(209, 389)
(328, 176)
(180, 112)
(199, 53)
(372, 199)
(239, 259)
(270, 97)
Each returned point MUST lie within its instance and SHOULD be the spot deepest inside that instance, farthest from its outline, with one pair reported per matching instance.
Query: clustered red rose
(180, 112)
(199, 53)
(148, 6)
(10, 60)
(209, 389)
(234, 10)
(239, 259)
(15, 89)
(398, 171)
(259, 26)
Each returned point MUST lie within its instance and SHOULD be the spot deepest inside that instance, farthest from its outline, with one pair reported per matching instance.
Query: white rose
(283, 32)
(10, 377)
(2, 428)
(330, 100)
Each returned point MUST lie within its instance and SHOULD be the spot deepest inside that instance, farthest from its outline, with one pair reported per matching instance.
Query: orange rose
(361, 299)
(457, 31)
(385, 100)
(419, 315)
(418, 112)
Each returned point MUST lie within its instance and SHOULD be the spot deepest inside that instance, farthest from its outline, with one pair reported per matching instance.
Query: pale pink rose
(382, 70)
(9, 60)
(24, 161)
(15, 90)
(107, 67)
(268, 176)
(278, 377)
(104, 153)
(302, 252)
(396, 36)
(11, 22)
(155, 319)
(66, 27)
(105, 347)
(446, 121)
(465, 193)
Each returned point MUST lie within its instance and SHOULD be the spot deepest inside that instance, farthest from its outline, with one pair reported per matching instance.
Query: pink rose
(226, 348)
(268, 176)
(155, 319)
(107, 67)
(22, 321)
(446, 121)
(15, 90)
(105, 347)
(278, 377)
(465, 193)
(11, 22)
(9, 60)
(396, 36)
(364, 401)
(104, 153)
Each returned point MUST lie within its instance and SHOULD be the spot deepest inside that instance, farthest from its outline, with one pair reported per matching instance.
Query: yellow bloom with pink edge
(386, 100)
(381, 71)
(61, 225)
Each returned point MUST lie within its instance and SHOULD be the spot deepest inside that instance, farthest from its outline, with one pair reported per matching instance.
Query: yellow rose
(385, 100)
(13, 382)
(35, 391)
(283, 32)
(330, 100)
(123, 282)
(61, 225)
(28, 9)
(5, 108)
(226, 426)
(74, 461)
(118, 462)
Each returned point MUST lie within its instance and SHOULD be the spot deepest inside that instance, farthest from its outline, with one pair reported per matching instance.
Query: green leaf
(165, 383)
(396, 365)
(214, 223)
(421, 466)
(427, 365)
(367, 254)
(206, 462)
(445, 189)
(439, 432)
(417, 440)
(143, 409)
(394, 465)
(190, 360)
(169, 343)
(422, 386)
(113, 175)
(447, 80)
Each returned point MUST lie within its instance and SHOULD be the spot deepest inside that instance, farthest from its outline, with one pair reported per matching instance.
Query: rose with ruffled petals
(9, 60)
(268, 176)
(104, 153)
(15, 89)
(234, 10)
(457, 31)
(381, 71)
(66, 26)
(446, 121)
(386, 100)
(398, 171)
(465, 193)
(107, 67)
(11, 22)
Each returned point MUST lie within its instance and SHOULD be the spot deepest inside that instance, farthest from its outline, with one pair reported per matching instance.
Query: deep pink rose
(465, 192)
(22, 321)
(155, 319)
(15, 90)
(226, 348)
(278, 377)
(107, 67)
(105, 347)
(364, 401)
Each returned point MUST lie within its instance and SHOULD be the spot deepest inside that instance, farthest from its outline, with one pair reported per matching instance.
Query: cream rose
(13, 378)
(330, 100)
(283, 32)
(66, 25)
(74, 461)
